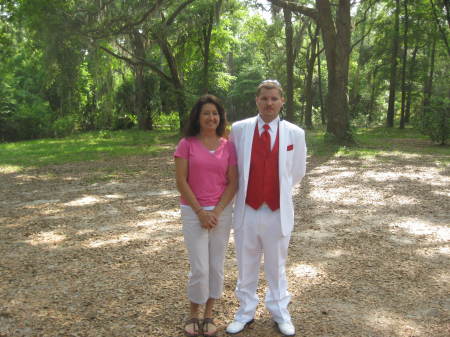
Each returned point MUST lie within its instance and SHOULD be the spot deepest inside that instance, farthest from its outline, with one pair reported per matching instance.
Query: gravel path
(96, 249)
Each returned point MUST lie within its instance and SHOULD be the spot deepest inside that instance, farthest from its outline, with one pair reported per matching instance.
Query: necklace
(211, 143)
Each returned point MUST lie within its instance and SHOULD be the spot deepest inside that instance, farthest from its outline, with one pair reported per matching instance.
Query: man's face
(269, 103)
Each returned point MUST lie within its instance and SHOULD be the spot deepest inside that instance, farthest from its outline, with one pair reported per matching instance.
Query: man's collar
(272, 124)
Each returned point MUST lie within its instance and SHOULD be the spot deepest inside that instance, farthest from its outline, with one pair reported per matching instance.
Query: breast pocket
(289, 160)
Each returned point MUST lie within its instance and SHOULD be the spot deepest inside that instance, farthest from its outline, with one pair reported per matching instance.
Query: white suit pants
(206, 249)
(260, 235)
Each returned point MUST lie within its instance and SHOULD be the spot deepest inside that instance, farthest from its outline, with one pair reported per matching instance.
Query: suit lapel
(282, 146)
(248, 132)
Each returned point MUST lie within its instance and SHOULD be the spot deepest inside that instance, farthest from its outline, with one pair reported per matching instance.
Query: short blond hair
(270, 84)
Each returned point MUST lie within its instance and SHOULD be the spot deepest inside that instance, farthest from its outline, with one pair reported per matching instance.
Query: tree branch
(108, 28)
(296, 8)
(137, 62)
(360, 39)
(173, 16)
(364, 18)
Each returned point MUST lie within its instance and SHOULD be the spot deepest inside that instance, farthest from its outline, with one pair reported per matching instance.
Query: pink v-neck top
(207, 170)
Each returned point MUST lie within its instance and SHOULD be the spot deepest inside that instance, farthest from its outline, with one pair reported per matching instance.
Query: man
(271, 160)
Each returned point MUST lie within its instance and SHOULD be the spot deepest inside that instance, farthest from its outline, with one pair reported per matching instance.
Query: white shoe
(236, 326)
(286, 328)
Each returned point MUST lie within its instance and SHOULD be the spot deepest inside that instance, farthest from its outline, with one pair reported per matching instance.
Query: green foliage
(242, 95)
(28, 121)
(56, 79)
(111, 144)
(167, 121)
(436, 120)
(65, 126)
(84, 147)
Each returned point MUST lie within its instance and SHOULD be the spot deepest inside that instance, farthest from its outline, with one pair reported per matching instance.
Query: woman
(206, 177)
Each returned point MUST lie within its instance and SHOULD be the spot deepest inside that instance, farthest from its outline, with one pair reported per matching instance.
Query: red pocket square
(290, 147)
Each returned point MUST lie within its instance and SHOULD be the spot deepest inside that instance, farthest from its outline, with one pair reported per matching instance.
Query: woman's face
(209, 117)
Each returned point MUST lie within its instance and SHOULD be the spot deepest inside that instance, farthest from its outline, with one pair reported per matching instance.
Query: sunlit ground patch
(392, 323)
(433, 252)
(335, 253)
(402, 240)
(87, 200)
(114, 196)
(149, 223)
(46, 238)
(5, 169)
(422, 227)
(429, 175)
(442, 193)
(305, 270)
(347, 196)
(39, 202)
(172, 213)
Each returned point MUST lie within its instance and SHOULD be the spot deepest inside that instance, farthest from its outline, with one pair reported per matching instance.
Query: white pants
(259, 235)
(206, 250)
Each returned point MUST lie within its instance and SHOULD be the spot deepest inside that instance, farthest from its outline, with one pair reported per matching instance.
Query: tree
(336, 33)
(394, 62)
(309, 77)
(290, 59)
(404, 64)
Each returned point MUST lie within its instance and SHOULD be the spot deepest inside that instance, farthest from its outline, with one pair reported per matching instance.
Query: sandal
(196, 328)
(207, 323)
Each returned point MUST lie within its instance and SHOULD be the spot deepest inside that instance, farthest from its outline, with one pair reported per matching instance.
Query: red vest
(263, 183)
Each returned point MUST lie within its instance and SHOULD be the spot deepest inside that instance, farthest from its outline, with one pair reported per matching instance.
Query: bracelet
(198, 210)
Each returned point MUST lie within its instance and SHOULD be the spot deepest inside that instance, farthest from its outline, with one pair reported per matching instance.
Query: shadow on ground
(96, 250)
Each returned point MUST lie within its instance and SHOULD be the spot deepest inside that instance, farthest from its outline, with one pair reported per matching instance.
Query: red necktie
(265, 137)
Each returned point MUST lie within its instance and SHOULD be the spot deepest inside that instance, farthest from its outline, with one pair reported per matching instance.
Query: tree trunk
(337, 53)
(309, 76)
(175, 78)
(393, 78)
(373, 94)
(319, 78)
(372, 97)
(289, 64)
(140, 98)
(207, 30)
(428, 88)
(404, 63)
(411, 73)
(354, 92)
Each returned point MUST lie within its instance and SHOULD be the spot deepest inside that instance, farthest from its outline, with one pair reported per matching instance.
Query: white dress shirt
(272, 131)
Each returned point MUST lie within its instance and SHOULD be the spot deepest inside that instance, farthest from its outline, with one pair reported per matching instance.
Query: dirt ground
(96, 249)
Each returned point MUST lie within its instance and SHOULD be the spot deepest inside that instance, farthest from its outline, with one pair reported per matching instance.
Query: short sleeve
(232, 161)
(182, 150)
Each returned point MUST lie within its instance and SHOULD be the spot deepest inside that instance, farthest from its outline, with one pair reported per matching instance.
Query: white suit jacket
(291, 166)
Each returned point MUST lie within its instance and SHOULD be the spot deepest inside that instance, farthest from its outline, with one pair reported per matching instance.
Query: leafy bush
(65, 126)
(436, 120)
(166, 121)
(25, 122)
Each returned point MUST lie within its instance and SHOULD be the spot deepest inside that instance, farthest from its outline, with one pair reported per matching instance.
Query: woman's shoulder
(225, 141)
(227, 144)
(186, 140)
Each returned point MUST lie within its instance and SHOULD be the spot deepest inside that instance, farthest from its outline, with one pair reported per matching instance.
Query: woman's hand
(208, 219)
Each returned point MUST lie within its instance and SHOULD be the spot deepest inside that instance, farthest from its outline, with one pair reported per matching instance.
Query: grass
(373, 142)
(83, 147)
(378, 141)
